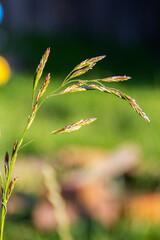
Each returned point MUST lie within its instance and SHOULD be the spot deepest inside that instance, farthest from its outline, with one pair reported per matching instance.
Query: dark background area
(127, 32)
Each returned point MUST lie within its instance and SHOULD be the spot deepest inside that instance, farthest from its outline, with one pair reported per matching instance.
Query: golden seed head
(74, 126)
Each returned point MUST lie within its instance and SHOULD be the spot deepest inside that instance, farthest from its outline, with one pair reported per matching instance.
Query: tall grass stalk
(71, 84)
(55, 198)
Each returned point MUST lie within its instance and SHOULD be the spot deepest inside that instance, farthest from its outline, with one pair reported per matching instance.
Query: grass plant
(71, 84)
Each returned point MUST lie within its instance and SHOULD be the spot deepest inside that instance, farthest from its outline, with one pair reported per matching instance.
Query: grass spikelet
(6, 164)
(82, 64)
(74, 88)
(10, 189)
(74, 126)
(83, 67)
(136, 107)
(115, 79)
(40, 68)
(121, 95)
(31, 118)
(87, 62)
(96, 59)
(82, 71)
(14, 148)
(43, 88)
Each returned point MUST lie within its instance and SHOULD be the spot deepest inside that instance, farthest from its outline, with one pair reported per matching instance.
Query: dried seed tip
(12, 183)
(6, 164)
(15, 179)
(11, 186)
(14, 147)
(43, 88)
(74, 126)
(115, 79)
(6, 158)
(40, 68)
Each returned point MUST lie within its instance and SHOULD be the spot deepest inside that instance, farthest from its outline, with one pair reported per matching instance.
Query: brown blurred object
(43, 216)
(94, 185)
(100, 203)
(144, 207)
(104, 167)
(88, 182)
(77, 156)
(19, 204)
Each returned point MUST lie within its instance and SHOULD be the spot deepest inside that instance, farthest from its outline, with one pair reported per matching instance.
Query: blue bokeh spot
(1, 12)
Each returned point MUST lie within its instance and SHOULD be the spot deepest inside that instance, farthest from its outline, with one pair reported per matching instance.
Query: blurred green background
(130, 39)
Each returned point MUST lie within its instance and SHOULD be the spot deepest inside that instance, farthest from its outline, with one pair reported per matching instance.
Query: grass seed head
(115, 79)
(14, 147)
(6, 158)
(73, 88)
(82, 71)
(43, 88)
(32, 116)
(121, 95)
(40, 68)
(74, 126)
(10, 189)
(82, 64)
(136, 107)
(96, 59)
(87, 62)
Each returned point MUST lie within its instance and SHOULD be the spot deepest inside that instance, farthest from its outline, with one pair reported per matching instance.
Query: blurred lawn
(88, 230)
(116, 121)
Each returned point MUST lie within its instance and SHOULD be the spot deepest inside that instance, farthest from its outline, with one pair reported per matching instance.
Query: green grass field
(88, 230)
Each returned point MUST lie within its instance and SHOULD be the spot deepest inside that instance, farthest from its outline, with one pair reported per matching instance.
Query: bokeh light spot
(1, 12)
(5, 70)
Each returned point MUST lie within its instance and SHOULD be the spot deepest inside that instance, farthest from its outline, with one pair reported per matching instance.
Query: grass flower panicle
(65, 87)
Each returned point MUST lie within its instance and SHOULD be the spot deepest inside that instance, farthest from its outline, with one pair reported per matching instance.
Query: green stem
(4, 200)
